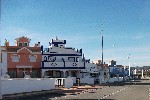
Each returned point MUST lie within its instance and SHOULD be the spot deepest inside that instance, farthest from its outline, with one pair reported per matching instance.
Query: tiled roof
(23, 37)
(16, 48)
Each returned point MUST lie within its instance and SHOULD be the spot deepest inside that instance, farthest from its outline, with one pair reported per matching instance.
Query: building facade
(61, 61)
(23, 59)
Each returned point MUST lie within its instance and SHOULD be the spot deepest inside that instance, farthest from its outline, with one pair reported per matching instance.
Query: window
(32, 58)
(15, 58)
(20, 44)
(25, 44)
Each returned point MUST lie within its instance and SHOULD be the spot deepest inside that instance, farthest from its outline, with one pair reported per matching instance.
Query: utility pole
(129, 65)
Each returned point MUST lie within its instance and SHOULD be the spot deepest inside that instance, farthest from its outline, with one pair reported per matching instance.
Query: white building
(3, 60)
(61, 61)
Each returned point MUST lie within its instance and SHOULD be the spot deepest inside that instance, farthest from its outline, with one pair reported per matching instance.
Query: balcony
(63, 65)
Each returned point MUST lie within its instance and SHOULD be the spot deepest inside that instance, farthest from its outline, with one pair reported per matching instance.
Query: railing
(53, 64)
(64, 64)
(74, 64)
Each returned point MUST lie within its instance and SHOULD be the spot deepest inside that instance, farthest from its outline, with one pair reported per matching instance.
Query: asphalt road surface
(134, 90)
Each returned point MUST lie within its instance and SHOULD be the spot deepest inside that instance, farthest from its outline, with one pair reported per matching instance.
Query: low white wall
(115, 79)
(11, 86)
(87, 80)
(120, 79)
(68, 82)
(74, 79)
(61, 81)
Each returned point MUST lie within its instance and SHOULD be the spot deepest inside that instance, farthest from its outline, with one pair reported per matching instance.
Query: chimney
(39, 44)
(36, 45)
(6, 43)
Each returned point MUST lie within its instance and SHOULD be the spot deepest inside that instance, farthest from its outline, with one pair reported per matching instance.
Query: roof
(16, 48)
(17, 39)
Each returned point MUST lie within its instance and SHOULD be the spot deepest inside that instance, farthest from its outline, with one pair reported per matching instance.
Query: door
(21, 73)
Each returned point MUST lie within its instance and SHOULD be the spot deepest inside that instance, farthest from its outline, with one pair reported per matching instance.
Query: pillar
(43, 73)
(64, 73)
(69, 72)
(30, 72)
(54, 73)
(142, 74)
(78, 72)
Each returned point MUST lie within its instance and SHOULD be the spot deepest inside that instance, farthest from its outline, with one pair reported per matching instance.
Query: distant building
(146, 67)
(99, 64)
(21, 59)
(112, 63)
(115, 69)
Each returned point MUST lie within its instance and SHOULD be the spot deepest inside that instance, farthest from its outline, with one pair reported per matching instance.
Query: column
(43, 73)
(64, 73)
(54, 73)
(69, 72)
(142, 74)
(78, 72)
(30, 72)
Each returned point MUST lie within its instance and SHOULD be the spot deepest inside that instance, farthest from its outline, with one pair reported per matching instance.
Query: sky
(126, 26)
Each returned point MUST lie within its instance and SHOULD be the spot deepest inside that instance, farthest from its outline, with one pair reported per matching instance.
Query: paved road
(135, 90)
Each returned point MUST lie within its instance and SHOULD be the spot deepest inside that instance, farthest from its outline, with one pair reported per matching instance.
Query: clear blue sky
(126, 25)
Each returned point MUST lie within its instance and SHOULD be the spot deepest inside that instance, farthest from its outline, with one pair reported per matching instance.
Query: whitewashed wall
(87, 80)
(62, 81)
(3, 65)
(66, 82)
(11, 86)
(74, 79)
(115, 79)
(90, 67)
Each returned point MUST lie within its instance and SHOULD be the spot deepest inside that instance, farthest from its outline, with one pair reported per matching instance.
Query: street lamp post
(129, 69)
(129, 65)
(100, 77)
(102, 50)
